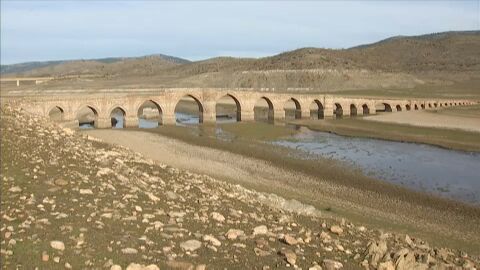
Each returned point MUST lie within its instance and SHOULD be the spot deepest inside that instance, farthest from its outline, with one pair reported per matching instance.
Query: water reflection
(453, 174)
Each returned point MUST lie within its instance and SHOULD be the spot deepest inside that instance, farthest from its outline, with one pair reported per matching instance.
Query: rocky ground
(70, 201)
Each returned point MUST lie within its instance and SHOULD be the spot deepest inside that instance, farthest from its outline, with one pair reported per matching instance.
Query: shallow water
(449, 173)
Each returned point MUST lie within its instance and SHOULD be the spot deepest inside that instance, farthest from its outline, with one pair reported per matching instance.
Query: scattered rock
(15, 189)
(86, 191)
(289, 256)
(129, 251)
(60, 182)
(191, 245)
(331, 264)
(260, 230)
(58, 245)
(217, 217)
(232, 234)
(289, 240)
(336, 229)
(212, 240)
(375, 251)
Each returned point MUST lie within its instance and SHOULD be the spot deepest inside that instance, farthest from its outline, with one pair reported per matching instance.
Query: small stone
(212, 240)
(86, 191)
(201, 267)
(260, 230)
(386, 266)
(129, 251)
(232, 234)
(290, 256)
(315, 267)
(58, 245)
(332, 265)
(138, 208)
(217, 217)
(69, 266)
(56, 259)
(60, 182)
(15, 189)
(191, 245)
(116, 267)
(336, 229)
(134, 266)
(45, 256)
(289, 240)
(409, 241)
(151, 267)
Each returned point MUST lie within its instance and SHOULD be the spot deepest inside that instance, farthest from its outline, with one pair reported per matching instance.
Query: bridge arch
(399, 108)
(435, 104)
(87, 116)
(189, 110)
(365, 109)
(118, 117)
(316, 109)
(56, 113)
(415, 107)
(292, 109)
(149, 114)
(383, 107)
(229, 107)
(338, 110)
(263, 110)
(408, 107)
(353, 110)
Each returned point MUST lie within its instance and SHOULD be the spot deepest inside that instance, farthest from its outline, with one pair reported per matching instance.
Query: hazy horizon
(49, 30)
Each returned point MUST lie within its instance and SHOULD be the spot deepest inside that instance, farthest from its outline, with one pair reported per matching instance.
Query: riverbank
(465, 118)
(384, 127)
(76, 202)
(339, 191)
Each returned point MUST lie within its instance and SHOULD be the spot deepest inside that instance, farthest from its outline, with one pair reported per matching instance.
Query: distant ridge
(425, 36)
(28, 66)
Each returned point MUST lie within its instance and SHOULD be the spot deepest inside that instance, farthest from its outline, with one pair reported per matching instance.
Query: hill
(78, 67)
(402, 62)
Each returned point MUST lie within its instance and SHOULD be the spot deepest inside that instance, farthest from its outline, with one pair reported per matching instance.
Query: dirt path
(428, 119)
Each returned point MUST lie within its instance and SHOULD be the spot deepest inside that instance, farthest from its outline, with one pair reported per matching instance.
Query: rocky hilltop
(71, 201)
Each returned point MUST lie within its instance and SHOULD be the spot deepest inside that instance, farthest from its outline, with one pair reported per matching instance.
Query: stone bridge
(102, 103)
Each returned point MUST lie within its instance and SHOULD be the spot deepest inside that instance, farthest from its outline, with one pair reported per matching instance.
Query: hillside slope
(104, 66)
(432, 61)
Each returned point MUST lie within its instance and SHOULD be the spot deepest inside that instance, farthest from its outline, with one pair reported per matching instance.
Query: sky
(195, 30)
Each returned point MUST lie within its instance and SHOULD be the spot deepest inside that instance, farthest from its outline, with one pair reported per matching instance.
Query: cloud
(67, 30)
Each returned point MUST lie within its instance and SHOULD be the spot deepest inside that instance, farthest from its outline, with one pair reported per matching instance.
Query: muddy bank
(358, 127)
(325, 184)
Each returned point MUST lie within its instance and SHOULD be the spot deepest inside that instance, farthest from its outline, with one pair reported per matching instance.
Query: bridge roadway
(102, 103)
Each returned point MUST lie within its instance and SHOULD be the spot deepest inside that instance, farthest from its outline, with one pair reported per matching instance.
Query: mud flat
(465, 119)
(387, 129)
(338, 191)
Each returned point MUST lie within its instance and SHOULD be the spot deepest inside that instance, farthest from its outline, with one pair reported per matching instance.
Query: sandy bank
(427, 119)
